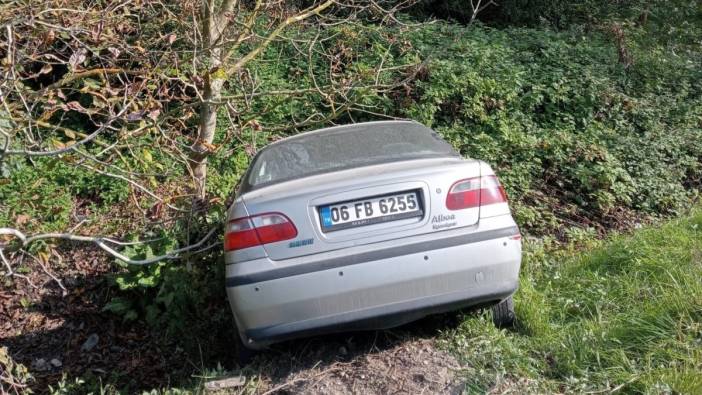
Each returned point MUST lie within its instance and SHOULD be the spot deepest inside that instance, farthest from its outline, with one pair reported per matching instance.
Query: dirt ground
(55, 333)
(373, 363)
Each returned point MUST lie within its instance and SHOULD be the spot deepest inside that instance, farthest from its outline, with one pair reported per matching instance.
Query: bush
(571, 131)
(562, 14)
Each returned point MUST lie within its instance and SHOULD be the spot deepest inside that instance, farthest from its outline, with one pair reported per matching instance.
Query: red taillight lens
(240, 234)
(474, 192)
(491, 191)
(464, 194)
(273, 227)
(257, 230)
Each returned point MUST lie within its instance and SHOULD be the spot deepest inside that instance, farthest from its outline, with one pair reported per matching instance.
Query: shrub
(569, 129)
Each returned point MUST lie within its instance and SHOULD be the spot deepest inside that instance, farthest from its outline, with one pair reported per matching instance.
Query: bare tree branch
(141, 111)
(276, 32)
(104, 243)
(477, 8)
(26, 152)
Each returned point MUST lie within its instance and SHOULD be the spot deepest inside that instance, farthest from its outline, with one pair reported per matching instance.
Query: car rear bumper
(373, 287)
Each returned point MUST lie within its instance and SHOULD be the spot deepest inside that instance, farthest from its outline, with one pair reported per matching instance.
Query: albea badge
(300, 243)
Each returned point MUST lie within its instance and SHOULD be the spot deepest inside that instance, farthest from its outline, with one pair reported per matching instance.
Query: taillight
(257, 230)
(240, 234)
(474, 192)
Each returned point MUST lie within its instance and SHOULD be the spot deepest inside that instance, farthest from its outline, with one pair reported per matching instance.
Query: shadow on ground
(405, 360)
(56, 336)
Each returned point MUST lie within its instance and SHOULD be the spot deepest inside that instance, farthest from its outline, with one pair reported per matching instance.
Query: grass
(624, 314)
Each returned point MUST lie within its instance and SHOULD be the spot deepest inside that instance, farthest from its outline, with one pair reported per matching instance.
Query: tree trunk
(206, 132)
(212, 93)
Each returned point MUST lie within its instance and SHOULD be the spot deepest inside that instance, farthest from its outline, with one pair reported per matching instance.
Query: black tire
(503, 313)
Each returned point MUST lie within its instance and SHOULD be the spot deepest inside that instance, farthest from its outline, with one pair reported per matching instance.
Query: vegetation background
(590, 111)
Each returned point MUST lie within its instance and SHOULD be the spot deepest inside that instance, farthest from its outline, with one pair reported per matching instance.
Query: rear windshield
(344, 148)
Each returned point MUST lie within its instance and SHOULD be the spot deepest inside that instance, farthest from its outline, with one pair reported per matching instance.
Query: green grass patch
(624, 314)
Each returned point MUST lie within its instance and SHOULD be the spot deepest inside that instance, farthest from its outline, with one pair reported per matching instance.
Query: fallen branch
(58, 281)
(12, 273)
(106, 244)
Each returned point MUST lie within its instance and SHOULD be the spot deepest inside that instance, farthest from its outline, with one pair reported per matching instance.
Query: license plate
(370, 211)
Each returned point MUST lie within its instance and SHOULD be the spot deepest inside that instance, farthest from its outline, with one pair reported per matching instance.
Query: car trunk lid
(308, 200)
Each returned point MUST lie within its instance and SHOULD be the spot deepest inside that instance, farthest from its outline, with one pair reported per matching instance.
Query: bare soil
(51, 332)
(366, 363)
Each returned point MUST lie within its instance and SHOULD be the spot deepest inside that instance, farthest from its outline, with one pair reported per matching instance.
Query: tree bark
(212, 93)
(206, 132)
(214, 23)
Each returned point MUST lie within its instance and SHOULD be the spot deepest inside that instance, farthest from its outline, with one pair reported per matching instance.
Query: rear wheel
(503, 313)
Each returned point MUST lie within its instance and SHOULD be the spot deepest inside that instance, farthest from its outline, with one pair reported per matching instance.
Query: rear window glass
(344, 148)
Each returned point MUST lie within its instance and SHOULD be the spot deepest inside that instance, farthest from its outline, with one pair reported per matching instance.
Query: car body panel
(371, 276)
(423, 269)
(432, 177)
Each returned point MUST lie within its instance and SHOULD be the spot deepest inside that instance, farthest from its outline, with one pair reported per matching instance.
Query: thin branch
(275, 33)
(64, 291)
(80, 75)
(103, 243)
(88, 138)
(6, 263)
(12, 273)
(477, 8)
(135, 184)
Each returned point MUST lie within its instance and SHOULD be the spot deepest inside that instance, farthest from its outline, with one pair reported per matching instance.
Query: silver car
(366, 226)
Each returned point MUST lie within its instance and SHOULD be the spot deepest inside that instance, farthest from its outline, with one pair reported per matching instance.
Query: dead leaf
(197, 80)
(50, 37)
(155, 210)
(114, 51)
(77, 58)
(97, 31)
(46, 69)
(75, 106)
(21, 219)
(209, 147)
(135, 116)
(255, 125)
(163, 91)
(153, 114)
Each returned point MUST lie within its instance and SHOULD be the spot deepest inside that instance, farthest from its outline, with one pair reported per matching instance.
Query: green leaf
(130, 315)
(124, 284)
(148, 282)
(118, 305)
